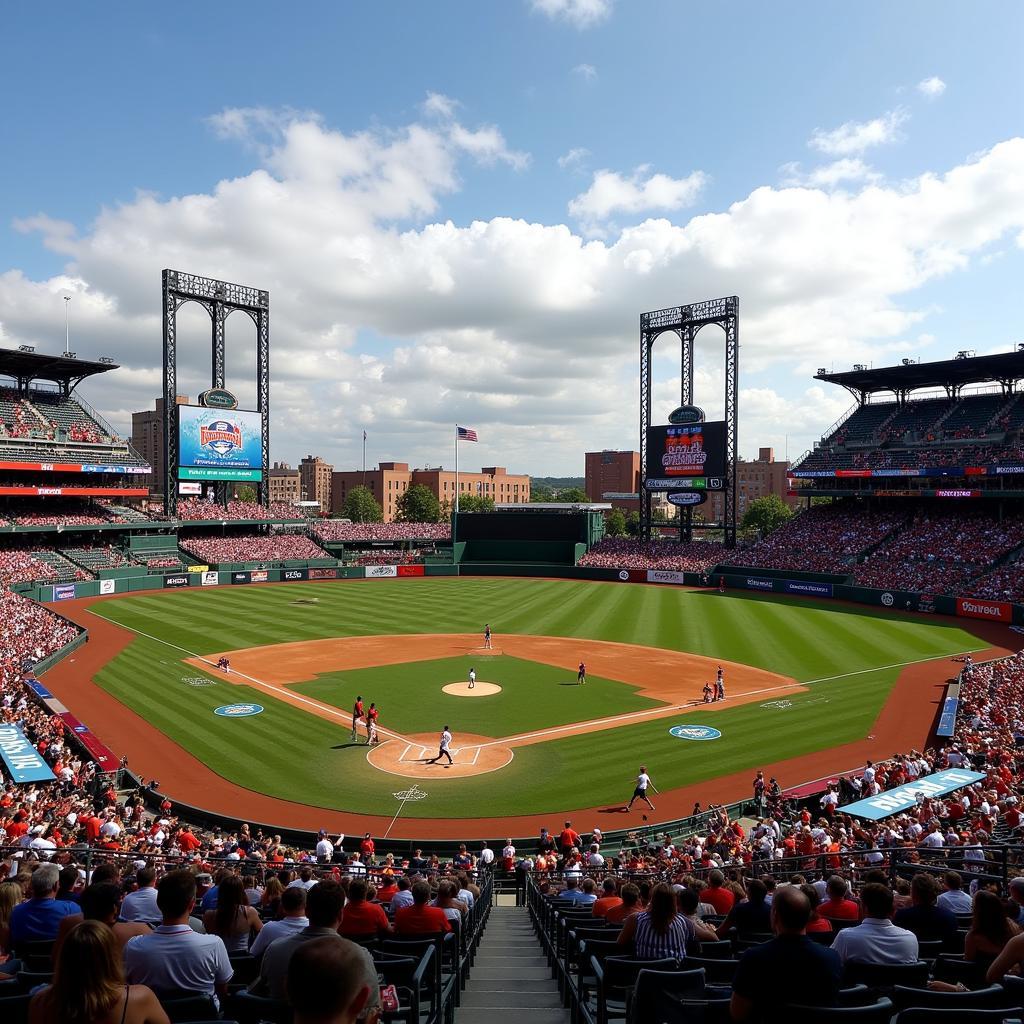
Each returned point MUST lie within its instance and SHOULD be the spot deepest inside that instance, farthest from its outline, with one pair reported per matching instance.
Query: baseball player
(443, 745)
(372, 739)
(357, 713)
(472, 678)
(372, 714)
(643, 781)
(581, 675)
(707, 693)
(487, 637)
(720, 684)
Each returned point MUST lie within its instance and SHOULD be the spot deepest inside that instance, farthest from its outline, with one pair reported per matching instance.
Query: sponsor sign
(23, 762)
(410, 570)
(888, 600)
(259, 576)
(198, 681)
(381, 571)
(39, 690)
(218, 398)
(803, 587)
(79, 492)
(72, 467)
(192, 473)
(669, 484)
(624, 575)
(1003, 470)
(688, 450)
(198, 568)
(323, 574)
(294, 574)
(98, 751)
(694, 732)
(239, 577)
(107, 586)
(210, 579)
(64, 592)
(947, 717)
(686, 414)
(184, 488)
(688, 497)
(971, 607)
(238, 710)
(664, 576)
(958, 494)
(759, 583)
(180, 580)
(902, 798)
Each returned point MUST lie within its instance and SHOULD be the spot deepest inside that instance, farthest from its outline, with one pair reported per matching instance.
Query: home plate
(481, 689)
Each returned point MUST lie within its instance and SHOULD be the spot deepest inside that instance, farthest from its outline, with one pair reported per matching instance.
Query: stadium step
(510, 981)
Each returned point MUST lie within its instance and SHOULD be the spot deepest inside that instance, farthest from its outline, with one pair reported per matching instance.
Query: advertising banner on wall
(410, 570)
(239, 577)
(759, 583)
(808, 589)
(23, 762)
(902, 798)
(971, 607)
(381, 571)
(323, 574)
(664, 576)
(198, 568)
(291, 575)
(64, 592)
(107, 586)
(179, 580)
(210, 579)
(98, 751)
(259, 576)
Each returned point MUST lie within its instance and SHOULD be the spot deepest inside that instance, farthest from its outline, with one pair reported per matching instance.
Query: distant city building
(315, 481)
(611, 476)
(754, 479)
(148, 440)
(284, 483)
(391, 480)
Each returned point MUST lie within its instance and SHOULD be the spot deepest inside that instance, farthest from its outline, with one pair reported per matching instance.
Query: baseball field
(809, 687)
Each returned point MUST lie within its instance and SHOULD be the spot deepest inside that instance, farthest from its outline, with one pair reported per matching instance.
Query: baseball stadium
(511, 673)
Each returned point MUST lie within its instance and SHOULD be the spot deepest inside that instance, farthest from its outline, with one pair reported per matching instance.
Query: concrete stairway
(510, 981)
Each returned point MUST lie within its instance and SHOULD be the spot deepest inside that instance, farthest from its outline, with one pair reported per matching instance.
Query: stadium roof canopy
(25, 367)
(1005, 368)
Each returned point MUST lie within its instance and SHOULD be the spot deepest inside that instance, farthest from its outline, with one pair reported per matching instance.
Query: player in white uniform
(643, 780)
(472, 678)
(443, 745)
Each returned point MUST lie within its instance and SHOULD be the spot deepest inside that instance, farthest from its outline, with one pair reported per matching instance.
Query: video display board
(219, 444)
(677, 456)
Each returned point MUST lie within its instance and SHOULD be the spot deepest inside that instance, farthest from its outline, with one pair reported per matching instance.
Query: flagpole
(456, 512)
(364, 459)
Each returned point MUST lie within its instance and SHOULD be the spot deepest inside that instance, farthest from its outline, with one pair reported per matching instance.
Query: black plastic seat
(657, 995)
(885, 976)
(249, 1009)
(195, 1007)
(930, 1015)
(981, 999)
(876, 1013)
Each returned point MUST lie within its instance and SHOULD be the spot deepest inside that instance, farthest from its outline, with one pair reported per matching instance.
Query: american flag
(465, 434)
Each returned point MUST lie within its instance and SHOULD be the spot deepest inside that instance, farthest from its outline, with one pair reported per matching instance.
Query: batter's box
(413, 753)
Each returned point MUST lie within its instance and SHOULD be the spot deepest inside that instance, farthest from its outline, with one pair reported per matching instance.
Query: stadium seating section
(617, 553)
(253, 548)
(195, 510)
(334, 530)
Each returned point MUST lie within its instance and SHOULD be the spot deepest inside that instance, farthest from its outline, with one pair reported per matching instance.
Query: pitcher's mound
(463, 690)
(413, 756)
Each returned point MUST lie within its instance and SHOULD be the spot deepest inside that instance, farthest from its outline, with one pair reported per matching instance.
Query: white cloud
(827, 176)
(580, 13)
(932, 88)
(611, 193)
(586, 71)
(855, 137)
(573, 158)
(386, 315)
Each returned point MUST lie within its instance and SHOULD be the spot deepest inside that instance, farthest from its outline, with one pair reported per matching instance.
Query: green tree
(575, 495)
(418, 505)
(615, 523)
(476, 503)
(246, 493)
(541, 492)
(766, 514)
(361, 506)
(633, 523)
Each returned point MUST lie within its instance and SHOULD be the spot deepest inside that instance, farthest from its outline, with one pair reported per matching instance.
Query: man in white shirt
(935, 840)
(876, 940)
(174, 957)
(305, 879)
(953, 897)
(293, 904)
(486, 857)
(402, 898)
(141, 905)
(594, 858)
(324, 848)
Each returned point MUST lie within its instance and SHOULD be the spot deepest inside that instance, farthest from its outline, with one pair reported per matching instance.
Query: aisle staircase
(511, 980)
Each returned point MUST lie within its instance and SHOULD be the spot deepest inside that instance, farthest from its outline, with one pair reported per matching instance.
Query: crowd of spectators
(1005, 583)
(253, 548)
(23, 565)
(197, 510)
(622, 553)
(940, 550)
(389, 557)
(337, 530)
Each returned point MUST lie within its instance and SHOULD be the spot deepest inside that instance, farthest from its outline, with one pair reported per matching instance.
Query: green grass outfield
(291, 754)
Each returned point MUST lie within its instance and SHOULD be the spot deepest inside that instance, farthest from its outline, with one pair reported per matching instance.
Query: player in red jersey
(357, 713)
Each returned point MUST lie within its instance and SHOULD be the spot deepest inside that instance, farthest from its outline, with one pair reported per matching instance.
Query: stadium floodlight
(70, 355)
(26, 348)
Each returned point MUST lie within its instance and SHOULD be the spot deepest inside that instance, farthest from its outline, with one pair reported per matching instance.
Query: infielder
(487, 637)
(581, 675)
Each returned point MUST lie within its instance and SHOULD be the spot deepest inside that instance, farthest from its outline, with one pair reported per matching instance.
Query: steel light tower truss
(686, 322)
(220, 299)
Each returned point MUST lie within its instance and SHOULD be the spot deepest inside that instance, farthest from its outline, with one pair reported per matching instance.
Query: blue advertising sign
(219, 440)
(238, 710)
(802, 587)
(64, 592)
(947, 719)
(902, 798)
(694, 732)
(23, 762)
(39, 690)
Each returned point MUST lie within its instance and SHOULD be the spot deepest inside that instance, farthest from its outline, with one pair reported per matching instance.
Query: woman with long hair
(272, 892)
(89, 987)
(233, 919)
(660, 931)
(10, 896)
(990, 929)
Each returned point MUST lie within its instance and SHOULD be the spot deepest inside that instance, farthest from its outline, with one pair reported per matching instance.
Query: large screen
(219, 444)
(685, 453)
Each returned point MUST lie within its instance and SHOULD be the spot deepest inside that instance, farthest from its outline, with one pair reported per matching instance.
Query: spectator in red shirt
(366, 848)
(837, 907)
(716, 894)
(419, 919)
(362, 918)
(568, 839)
(608, 899)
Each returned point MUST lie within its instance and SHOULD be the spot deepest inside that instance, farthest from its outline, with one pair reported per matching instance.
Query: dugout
(545, 536)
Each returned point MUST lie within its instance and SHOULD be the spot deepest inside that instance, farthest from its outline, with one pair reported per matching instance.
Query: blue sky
(198, 137)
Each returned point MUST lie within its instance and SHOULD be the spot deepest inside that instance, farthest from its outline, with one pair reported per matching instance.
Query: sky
(461, 208)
